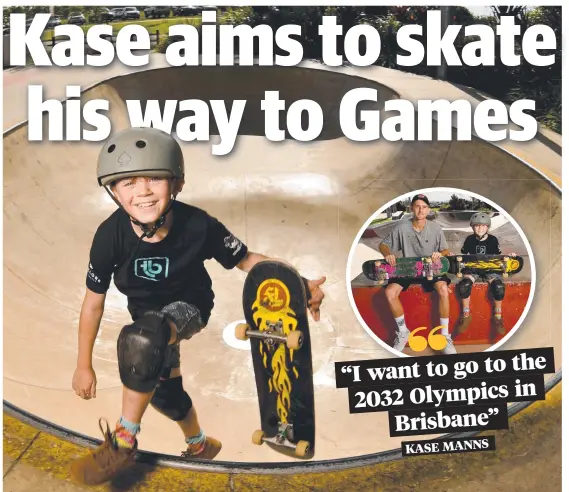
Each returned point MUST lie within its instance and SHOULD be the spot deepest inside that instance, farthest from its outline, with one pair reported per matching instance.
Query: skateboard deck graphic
(275, 307)
(416, 267)
(484, 264)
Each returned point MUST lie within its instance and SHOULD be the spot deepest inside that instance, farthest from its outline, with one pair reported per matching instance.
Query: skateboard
(484, 264)
(416, 267)
(275, 307)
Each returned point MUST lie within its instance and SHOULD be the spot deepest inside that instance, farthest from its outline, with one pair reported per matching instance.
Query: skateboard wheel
(302, 448)
(505, 275)
(294, 340)
(258, 437)
(241, 331)
(459, 258)
(459, 275)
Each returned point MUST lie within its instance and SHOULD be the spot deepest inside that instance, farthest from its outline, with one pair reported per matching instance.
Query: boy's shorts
(173, 356)
(428, 285)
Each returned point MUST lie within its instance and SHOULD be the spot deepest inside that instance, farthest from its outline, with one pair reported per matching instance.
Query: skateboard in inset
(484, 264)
(275, 307)
(411, 268)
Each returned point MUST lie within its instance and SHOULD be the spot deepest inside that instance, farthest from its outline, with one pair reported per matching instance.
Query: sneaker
(499, 325)
(103, 463)
(463, 325)
(401, 338)
(208, 451)
(449, 349)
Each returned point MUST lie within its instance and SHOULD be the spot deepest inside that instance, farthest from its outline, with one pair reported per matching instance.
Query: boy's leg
(498, 291)
(171, 400)
(392, 292)
(463, 289)
(142, 350)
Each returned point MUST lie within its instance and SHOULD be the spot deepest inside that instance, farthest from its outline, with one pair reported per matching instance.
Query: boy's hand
(316, 297)
(85, 383)
(391, 260)
(436, 256)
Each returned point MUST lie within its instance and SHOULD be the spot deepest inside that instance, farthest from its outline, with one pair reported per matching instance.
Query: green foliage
(240, 15)
(457, 203)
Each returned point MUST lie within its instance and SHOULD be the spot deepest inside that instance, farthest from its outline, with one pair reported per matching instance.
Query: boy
(481, 243)
(155, 248)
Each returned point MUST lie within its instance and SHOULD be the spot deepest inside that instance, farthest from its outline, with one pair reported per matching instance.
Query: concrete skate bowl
(304, 202)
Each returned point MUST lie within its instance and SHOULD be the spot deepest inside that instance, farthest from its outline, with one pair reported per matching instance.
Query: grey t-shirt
(413, 243)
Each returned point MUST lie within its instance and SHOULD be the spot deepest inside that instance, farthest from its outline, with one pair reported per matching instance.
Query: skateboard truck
(459, 265)
(284, 436)
(429, 268)
(273, 334)
(505, 267)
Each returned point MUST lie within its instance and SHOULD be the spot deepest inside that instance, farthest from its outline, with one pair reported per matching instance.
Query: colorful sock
(125, 434)
(401, 323)
(466, 312)
(196, 443)
(498, 312)
(444, 324)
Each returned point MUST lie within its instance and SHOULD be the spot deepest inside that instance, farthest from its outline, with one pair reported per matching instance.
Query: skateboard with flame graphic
(485, 264)
(275, 307)
(410, 268)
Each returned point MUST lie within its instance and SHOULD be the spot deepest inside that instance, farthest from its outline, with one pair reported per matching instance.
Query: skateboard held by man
(412, 268)
(275, 307)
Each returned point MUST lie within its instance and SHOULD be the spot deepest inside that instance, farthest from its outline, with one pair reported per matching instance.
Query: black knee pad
(141, 349)
(498, 289)
(464, 288)
(171, 400)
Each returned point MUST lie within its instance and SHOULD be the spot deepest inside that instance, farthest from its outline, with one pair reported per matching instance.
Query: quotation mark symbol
(435, 340)
(493, 411)
(346, 369)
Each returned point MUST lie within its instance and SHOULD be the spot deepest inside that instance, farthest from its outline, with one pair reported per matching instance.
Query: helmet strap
(482, 238)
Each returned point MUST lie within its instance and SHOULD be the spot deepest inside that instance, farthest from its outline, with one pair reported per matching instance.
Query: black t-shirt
(472, 246)
(167, 271)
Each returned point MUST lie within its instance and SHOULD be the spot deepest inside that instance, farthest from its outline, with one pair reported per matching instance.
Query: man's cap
(420, 196)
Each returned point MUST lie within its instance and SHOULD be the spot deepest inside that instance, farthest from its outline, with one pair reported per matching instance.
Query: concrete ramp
(302, 202)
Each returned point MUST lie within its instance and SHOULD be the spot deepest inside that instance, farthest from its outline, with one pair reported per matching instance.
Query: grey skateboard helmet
(141, 152)
(481, 218)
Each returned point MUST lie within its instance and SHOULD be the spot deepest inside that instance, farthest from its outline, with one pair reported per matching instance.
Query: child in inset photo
(481, 243)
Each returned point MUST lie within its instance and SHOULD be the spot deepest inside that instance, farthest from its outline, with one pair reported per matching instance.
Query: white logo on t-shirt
(231, 242)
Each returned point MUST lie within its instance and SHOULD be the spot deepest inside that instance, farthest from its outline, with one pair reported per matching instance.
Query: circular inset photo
(441, 271)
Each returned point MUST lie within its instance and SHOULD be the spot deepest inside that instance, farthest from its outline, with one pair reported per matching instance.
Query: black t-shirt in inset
(472, 246)
(167, 271)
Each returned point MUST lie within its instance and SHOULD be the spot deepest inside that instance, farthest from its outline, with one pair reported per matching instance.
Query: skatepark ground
(302, 202)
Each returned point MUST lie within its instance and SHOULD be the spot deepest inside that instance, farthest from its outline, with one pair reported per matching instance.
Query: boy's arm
(250, 260)
(89, 322)
(466, 247)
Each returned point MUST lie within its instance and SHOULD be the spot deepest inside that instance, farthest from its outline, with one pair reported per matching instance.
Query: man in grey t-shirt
(417, 237)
